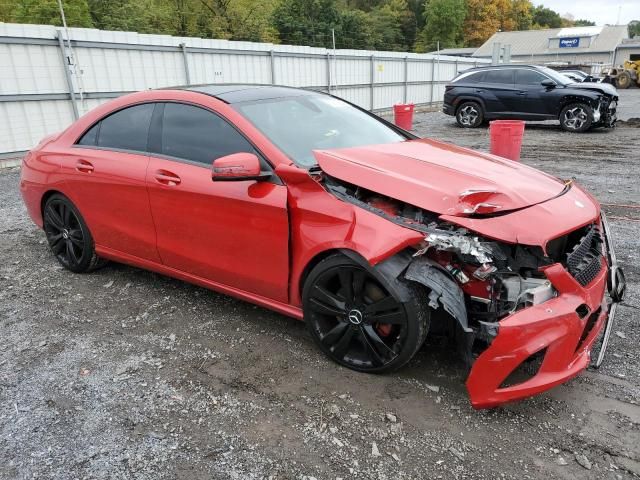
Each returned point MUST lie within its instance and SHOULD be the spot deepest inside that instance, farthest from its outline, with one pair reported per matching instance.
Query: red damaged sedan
(305, 204)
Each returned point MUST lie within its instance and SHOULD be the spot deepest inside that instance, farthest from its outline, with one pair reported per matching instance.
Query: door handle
(521, 93)
(479, 90)
(167, 178)
(84, 166)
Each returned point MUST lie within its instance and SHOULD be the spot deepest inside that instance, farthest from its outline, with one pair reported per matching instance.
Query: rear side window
(196, 134)
(91, 137)
(499, 76)
(473, 78)
(529, 77)
(127, 129)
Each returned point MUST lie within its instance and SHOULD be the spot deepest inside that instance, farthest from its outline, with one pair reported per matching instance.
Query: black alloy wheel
(360, 323)
(68, 236)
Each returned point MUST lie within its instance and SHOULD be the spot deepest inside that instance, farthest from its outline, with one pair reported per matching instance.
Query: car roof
(493, 67)
(236, 92)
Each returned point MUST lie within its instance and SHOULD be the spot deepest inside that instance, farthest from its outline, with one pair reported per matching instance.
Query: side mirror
(237, 166)
(548, 83)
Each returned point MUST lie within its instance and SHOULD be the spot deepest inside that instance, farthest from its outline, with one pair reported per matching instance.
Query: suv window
(127, 129)
(499, 76)
(529, 77)
(196, 134)
(474, 77)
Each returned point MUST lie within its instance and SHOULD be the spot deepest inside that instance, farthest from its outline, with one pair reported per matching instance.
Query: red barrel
(403, 115)
(506, 138)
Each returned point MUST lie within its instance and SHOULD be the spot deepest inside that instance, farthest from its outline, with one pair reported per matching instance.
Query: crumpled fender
(316, 216)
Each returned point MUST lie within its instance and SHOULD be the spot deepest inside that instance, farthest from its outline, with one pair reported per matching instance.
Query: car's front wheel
(68, 236)
(469, 115)
(576, 117)
(359, 322)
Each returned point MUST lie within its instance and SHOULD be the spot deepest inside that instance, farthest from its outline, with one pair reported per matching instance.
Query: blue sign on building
(569, 42)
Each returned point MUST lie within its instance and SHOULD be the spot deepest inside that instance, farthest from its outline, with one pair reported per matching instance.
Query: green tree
(584, 23)
(443, 23)
(394, 26)
(47, 12)
(634, 28)
(545, 17)
(306, 22)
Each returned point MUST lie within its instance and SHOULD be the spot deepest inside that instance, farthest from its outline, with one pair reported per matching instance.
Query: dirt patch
(126, 374)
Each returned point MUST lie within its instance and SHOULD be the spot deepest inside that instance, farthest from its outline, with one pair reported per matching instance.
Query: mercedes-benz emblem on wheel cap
(355, 316)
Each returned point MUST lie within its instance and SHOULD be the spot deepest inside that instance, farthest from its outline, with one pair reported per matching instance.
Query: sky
(600, 11)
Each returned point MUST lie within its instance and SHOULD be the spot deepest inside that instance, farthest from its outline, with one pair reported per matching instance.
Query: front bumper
(562, 330)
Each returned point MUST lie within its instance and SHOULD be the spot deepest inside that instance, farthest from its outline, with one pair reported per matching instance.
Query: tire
(360, 323)
(576, 117)
(469, 115)
(68, 236)
(623, 80)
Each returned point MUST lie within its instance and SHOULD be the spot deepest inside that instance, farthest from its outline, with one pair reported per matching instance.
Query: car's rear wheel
(359, 322)
(68, 236)
(469, 115)
(576, 117)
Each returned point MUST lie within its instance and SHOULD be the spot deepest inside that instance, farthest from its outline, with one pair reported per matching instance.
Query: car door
(536, 99)
(501, 96)
(231, 232)
(107, 181)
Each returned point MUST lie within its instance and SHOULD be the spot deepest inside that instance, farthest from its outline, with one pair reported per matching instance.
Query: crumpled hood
(606, 88)
(440, 177)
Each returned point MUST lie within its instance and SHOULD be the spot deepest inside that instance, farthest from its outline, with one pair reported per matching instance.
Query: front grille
(580, 252)
(584, 261)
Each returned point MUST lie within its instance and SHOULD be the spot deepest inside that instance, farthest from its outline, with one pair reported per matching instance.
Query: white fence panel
(41, 94)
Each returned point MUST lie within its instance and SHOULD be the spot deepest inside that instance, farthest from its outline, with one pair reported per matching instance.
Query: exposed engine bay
(476, 281)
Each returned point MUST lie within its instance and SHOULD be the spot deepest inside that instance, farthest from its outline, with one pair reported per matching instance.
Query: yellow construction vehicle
(625, 76)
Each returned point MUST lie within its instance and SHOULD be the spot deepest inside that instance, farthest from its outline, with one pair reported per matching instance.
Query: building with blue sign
(587, 46)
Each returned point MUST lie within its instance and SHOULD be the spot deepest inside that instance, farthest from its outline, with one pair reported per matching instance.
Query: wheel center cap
(355, 316)
(65, 234)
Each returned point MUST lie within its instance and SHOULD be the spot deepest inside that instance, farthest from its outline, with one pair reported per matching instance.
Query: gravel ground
(126, 374)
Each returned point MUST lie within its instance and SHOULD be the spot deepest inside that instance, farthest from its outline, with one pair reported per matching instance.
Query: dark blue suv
(528, 92)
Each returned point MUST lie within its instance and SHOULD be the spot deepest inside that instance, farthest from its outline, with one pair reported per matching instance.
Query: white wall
(35, 92)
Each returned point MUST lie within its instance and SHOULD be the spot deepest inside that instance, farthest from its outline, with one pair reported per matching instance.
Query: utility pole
(335, 72)
(71, 63)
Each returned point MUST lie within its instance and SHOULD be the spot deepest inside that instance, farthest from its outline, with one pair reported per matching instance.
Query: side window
(127, 129)
(196, 134)
(499, 76)
(91, 137)
(529, 77)
(475, 78)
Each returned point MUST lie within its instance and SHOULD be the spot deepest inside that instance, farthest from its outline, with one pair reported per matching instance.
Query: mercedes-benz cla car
(305, 204)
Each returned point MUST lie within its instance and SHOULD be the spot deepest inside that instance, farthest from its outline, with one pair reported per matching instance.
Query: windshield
(299, 125)
(556, 76)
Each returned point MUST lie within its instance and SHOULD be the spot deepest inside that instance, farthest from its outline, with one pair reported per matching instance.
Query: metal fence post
(433, 71)
(373, 78)
(67, 74)
(328, 73)
(186, 63)
(406, 79)
(272, 65)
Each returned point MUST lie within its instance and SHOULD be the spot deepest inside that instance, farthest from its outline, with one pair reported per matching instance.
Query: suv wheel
(469, 115)
(576, 117)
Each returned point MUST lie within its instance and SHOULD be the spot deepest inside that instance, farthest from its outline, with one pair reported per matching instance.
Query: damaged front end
(524, 317)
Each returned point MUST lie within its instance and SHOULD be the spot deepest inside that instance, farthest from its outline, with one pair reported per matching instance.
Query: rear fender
(466, 98)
